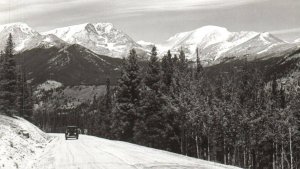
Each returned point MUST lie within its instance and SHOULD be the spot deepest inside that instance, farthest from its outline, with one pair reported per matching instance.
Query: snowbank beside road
(17, 150)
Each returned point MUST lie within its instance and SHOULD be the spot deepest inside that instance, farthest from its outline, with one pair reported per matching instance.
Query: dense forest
(236, 117)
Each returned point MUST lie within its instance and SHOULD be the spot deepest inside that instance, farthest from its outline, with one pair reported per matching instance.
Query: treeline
(15, 92)
(235, 118)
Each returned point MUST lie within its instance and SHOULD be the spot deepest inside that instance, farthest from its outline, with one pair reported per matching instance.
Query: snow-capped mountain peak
(22, 35)
(268, 38)
(217, 43)
(68, 33)
(207, 35)
(18, 28)
(104, 27)
(199, 38)
(297, 40)
(25, 37)
(101, 38)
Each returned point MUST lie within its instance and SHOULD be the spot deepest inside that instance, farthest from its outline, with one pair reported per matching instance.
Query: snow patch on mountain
(52, 40)
(147, 46)
(144, 43)
(297, 41)
(267, 49)
(49, 85)
(59, 61)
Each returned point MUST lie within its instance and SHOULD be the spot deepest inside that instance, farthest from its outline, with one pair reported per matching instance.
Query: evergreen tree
(153, 76)
(180, 93)
(104, 119)
(167, 71)
(175, 60)
(8, 81)
(127, 98)
(24, 96)
(199, 68)
(182, 61)
(150, 130)
(108, 99)
(1, 56)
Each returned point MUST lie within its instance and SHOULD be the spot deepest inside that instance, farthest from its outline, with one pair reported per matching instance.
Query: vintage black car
(72, 132)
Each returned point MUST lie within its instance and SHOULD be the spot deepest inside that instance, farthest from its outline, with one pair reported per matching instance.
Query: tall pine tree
(199, 68)
(167, 71)
(25, 103)
(127, 99)
(151, 127)
(8, 81)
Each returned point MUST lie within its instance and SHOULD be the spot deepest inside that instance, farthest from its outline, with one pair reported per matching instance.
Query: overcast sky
(157, 20)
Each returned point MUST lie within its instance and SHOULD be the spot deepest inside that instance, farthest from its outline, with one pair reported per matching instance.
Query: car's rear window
(71, 129)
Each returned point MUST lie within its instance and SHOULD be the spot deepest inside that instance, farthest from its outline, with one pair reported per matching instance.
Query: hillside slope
(70, 65)
(16, 150)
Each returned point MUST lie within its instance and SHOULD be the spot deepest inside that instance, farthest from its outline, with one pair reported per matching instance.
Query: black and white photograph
(149, 84)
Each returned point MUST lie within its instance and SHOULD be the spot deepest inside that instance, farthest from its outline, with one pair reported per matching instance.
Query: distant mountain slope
(70, 65)
(101, 38)
(217, 44)
(284, 65)
(26, 38)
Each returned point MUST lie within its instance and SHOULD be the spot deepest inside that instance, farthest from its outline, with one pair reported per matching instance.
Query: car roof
(71, 126)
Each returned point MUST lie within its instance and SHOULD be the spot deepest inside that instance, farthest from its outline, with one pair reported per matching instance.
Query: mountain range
(214, 43)
(88, 53)
(101, 38)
